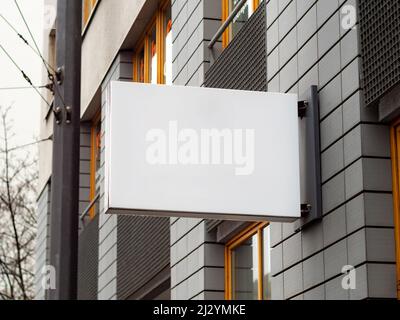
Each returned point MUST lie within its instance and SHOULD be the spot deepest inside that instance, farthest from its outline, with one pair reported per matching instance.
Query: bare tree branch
(18, 176)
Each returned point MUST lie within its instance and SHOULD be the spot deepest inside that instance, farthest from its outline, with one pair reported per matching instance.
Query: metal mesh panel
(380, 45)
(88, 261)
(143, 251)
(243, 64)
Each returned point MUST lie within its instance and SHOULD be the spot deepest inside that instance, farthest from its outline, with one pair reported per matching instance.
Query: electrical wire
(27, 79)
(26, 42)
(49, 74)
(23, 88)
(33, 39)
(28, 145)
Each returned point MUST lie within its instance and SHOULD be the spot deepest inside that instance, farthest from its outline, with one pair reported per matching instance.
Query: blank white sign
(200, 152)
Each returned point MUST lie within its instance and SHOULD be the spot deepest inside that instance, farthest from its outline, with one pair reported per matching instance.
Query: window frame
(88, 8)
(225, 14)
(395, 156)
(156, 21)
(93, 146)
(254, 229)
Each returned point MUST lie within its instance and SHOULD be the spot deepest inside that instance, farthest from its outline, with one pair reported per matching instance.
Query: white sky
(26, 103)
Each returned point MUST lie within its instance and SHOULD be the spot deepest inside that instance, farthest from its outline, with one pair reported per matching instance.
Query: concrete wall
(306, 46)
(102, 41)
(46, 117)
(197, 260)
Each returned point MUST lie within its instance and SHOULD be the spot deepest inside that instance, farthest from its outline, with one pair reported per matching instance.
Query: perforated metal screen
(380, 46)
(88, 261)
(243, 64)
(143, 252)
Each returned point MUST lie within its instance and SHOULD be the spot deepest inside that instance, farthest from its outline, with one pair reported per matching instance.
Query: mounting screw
(57, 114)
(60, 75)
(68, 118)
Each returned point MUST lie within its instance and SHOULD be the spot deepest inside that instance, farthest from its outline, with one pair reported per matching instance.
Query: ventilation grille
(380, 45)
(88, 261)
(243, 64)
(143, 252)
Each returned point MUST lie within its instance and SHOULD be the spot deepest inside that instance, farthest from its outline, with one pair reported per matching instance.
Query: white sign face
(199, 152)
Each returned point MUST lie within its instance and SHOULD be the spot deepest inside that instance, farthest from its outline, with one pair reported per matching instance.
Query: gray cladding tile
(335, 257)
(333, 193)
(380, 245)
(293, 281)
(334, 226)
(313, 271)
(356, 248)
(312, 239)
(381, 280)
(332, 160)
(328, 35)
(292, 252)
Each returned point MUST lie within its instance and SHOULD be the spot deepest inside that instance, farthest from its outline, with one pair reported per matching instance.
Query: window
(152, 60)
(95, 153)
(395, 142)
(248, 264)
(240, 19)
(88, 7)
(167, 47)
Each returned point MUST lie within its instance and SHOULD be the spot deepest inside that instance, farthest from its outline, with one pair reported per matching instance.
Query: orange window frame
(395, 155)
(88, 7)
(94, 144)
(225, 14)
(157, 21)
(254, 229)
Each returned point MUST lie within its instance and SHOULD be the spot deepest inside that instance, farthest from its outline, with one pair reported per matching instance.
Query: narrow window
(395, 153)
(248, 265)
(88, 7)
(239, 20)
(152, 61)
(167, 48)
(139, 63)
(95, 163)
(152, 52)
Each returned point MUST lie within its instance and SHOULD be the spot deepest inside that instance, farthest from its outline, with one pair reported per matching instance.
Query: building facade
(348, 49)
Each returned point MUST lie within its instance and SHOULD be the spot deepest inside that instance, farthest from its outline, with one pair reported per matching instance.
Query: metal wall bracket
(310, 160)
(302, 108)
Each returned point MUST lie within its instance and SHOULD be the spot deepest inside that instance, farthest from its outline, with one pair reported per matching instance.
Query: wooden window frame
(225, 14)
(395, 155)
(88, 9)
(93, 147)
(254, 229)
(144, 43)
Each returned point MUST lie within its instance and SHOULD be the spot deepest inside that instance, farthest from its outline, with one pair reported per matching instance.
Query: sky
(25, 103)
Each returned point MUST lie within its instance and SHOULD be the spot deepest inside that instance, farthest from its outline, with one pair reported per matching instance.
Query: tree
(18, 177)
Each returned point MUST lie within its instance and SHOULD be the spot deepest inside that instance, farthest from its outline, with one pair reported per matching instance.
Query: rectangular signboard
(200, 152)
